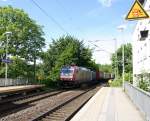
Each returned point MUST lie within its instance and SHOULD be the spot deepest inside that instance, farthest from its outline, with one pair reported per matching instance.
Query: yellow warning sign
(137, 12)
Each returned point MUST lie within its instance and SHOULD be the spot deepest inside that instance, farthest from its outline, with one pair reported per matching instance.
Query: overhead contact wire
(50, 17)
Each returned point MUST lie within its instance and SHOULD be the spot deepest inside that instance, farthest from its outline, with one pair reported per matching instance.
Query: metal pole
(123, 65)
(6, 59)
(6, 65)
(116, 67)
(121, 28)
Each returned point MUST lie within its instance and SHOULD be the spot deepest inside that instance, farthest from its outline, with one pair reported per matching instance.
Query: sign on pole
(6, 61)
(137, 12)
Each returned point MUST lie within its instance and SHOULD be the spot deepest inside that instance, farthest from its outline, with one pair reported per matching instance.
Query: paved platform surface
(11, 89)
(109, 104)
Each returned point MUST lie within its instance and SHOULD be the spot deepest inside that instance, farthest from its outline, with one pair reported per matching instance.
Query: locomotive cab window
(66, 71)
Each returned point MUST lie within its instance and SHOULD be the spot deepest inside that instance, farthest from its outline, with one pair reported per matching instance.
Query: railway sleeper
(69, 109)
(46, 119)
(56, 115)
(64, 112)
(59, 114)
(55, 118)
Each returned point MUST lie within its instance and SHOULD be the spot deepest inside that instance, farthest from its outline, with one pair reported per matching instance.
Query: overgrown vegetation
(118, 82)
(143, 84)
(144, 81)
(117, 64)
(105, 68)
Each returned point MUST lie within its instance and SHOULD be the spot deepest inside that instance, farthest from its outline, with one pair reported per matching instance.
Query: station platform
(109, 104)
(14, 89)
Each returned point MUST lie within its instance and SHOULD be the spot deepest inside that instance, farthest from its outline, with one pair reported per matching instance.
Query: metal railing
(140, 98)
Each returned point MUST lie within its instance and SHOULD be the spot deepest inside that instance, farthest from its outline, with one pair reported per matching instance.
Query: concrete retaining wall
(140, 98)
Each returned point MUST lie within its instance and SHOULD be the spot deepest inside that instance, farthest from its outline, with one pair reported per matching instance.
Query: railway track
(59, 107)
(10, 105)
(41, 106)
(66, 110)
(17, 97)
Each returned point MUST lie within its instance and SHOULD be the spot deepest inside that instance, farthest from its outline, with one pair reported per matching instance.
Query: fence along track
(66, 110)
(14, 82)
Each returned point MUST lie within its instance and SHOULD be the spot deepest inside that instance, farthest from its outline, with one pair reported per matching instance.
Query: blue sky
(84, 19)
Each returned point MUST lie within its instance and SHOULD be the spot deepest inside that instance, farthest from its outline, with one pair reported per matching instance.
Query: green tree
(17, 68)
(127, 57)
(66, 50)
(105, 68)
(26, 41)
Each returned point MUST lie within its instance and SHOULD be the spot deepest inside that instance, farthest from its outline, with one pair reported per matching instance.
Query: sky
(88, 20)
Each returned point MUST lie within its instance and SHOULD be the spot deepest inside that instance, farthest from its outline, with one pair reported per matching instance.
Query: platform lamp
(116, 59)
(8, 33)
(121, 28)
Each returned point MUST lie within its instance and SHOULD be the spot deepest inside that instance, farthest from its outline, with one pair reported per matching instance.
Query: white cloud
(106, 3)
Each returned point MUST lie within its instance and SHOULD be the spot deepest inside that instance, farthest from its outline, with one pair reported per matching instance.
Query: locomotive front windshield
(66, 72)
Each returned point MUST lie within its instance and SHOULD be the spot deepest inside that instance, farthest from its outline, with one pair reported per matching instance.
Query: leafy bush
(128, 77)
(144, 85)
(143, 82)
(50, 83)
(116, 83)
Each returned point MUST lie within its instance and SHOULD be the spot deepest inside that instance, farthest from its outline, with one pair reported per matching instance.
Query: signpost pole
(6, 59)
(6, 65)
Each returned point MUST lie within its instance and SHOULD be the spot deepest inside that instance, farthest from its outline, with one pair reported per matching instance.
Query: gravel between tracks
(67, 111)
(40, 106)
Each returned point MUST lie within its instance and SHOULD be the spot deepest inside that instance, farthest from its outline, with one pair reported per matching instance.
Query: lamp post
(116, 59)
(6, 66)
(121, 29)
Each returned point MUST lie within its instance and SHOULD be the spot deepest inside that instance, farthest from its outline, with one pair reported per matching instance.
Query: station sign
(6, 61)
(137, 12)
